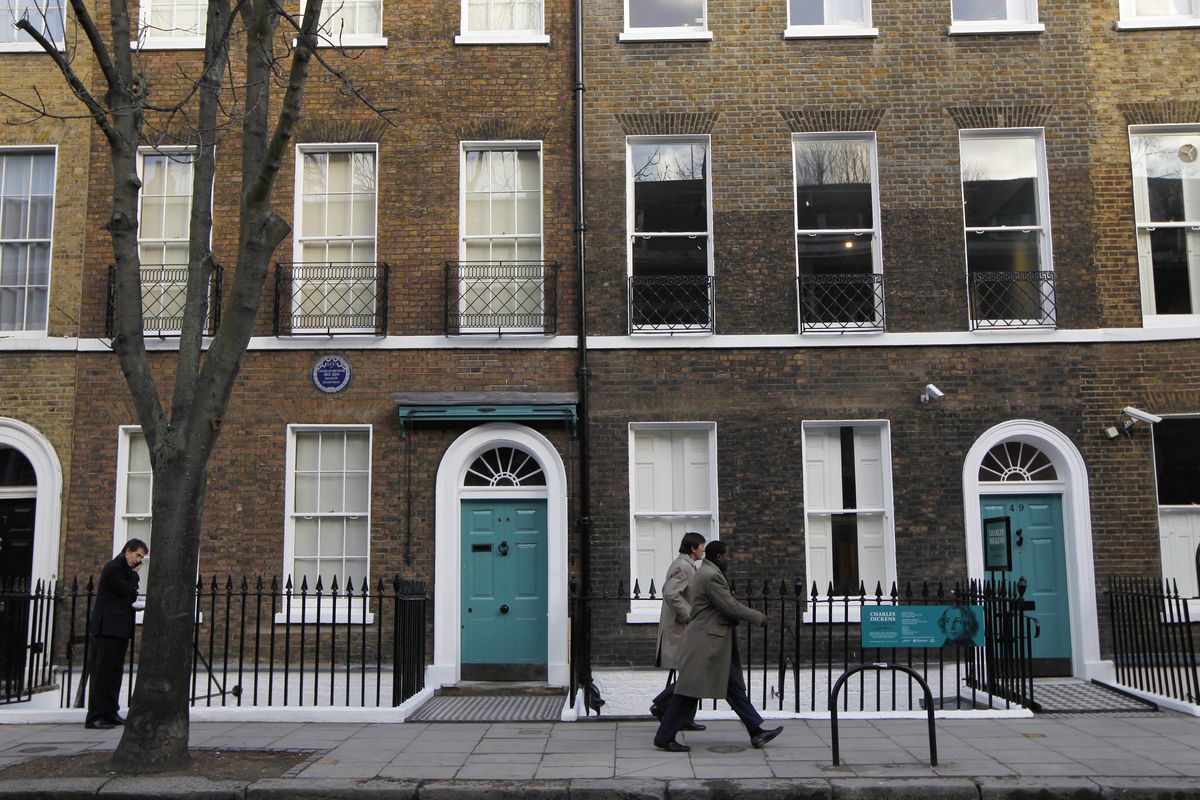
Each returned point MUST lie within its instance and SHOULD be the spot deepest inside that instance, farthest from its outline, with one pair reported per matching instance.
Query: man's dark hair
(691, 540)
(135, 544)
(714, 549)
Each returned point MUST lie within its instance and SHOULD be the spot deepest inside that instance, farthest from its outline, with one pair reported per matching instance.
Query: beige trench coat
(708, 642)
(676, 611)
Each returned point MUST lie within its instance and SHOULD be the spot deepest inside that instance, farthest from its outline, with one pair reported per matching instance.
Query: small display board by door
(922, 626)
(997, 544)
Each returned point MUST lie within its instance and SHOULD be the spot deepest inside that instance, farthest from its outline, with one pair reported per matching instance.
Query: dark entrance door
(16, 568)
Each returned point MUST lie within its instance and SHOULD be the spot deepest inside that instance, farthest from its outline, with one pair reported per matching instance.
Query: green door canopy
(475, 406)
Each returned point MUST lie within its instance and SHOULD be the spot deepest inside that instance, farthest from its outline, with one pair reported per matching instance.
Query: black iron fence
(331, 298)
(671, 303)
(810, 639)
(1154, 648)
(1012, 300)
(164, 299)
(256, 642)
(496, 297)
(840, 302)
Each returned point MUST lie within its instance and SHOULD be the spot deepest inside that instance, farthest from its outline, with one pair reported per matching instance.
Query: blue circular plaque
(331, 373)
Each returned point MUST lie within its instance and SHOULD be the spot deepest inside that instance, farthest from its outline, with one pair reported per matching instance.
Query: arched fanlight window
(505, 466)
(15, 469)
(1010, 462)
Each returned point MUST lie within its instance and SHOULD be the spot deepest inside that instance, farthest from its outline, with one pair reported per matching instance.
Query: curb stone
(494, 790)
(618, 789)
(1147, 788)
(1028, 788)
(51, 788)
(184, 788)
(904, 789)
(331, 789)
(750, 789)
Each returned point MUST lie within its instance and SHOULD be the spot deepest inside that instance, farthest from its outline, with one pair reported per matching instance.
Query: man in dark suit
(673, 620)
(111, 627)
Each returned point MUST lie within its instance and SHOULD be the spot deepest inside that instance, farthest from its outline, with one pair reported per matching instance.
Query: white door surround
(446, 665)
(1072, 484)
(48, 512)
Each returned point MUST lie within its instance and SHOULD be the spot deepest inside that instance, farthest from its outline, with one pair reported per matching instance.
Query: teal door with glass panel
(1038, 555)
(504, 585)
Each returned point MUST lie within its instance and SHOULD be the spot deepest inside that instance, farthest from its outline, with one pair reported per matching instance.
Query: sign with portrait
(922, 626)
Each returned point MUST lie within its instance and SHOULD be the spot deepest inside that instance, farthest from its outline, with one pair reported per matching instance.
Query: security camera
(932, 393)
(1142, 416)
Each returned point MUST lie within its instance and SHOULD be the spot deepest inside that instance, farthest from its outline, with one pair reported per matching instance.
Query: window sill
(829, 32)
(643, 612)
(169, 43)
(1155, 24)
(666, 35)
(993, 28)
(502, 38)
(329, 616)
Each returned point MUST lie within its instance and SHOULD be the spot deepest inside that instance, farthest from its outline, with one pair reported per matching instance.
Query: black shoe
(760, 739)
(117, 719)
(656, 711)
(694, 726)
(672, 746)
(98, 724)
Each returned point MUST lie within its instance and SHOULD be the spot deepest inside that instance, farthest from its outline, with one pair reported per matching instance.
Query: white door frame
(447, 665)
(48, 510)
(1072, 483)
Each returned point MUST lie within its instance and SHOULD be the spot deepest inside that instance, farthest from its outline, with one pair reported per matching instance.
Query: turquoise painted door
(504, 582)
(1038, 555)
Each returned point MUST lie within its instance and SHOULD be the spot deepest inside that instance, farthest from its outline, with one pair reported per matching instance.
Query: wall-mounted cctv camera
(932, 393)
(1142, 416)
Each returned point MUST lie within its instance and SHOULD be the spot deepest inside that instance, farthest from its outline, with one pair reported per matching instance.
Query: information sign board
(922, 626)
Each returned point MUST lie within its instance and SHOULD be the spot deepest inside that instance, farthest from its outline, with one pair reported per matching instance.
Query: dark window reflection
(670, 187)
(670, 255)
(1172, 278)
(1176, 445)
(834, 255)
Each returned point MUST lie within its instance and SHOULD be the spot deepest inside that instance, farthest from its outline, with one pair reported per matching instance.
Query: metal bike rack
(837, 688)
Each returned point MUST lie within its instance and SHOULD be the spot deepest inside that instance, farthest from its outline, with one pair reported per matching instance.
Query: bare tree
(230, 96)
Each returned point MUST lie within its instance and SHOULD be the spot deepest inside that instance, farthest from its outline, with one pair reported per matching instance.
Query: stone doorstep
(488, 688)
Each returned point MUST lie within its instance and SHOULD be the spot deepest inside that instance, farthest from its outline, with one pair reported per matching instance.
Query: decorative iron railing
(811, 639)
(1154, 647)
(498, 297)
(1012, 300)
(331, 298)
(256, 642)
(847, 302)
(671, 303)
(164, 300)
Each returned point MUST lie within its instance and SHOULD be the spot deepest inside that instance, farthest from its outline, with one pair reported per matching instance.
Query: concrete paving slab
(555, 745)
(503, 758)
(725, 771)
(568, 773)
(679, 766)
(343, 769)
(417, 772)
(509, 771)
(537, 745)
(798, 769)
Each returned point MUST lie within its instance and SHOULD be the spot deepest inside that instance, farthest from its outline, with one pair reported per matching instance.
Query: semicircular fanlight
(504, 466)
(1010, 462)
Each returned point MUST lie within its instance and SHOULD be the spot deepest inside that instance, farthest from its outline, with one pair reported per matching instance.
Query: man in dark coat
(111, 627)
(673, 619)
(708, 662)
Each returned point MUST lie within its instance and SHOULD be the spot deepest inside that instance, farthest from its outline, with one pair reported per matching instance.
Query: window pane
(1176, 463)
(835, 255)
(980, 10)
(833, 184)
(1162, 8)
(1166, 165)
(999, 181)
(666, 13)
(306, 538)
(670, 255)
(670, 186)
(1172, 250)
(1003, 251)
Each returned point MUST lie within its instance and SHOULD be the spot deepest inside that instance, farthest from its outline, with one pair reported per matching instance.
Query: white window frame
(298, 240)
(831, 31)
(887, 512)
(647, 611)
(1045, 241)
(1142, 227)
(473, 145)
(666, 34)
(522, 36)
(1130, 21)
(1015, 23)
(121, 515)
(39, 333)
(352, 40)
(875, 232)
(631, 209)
(155, 39)
(25, 44)
(345, 609)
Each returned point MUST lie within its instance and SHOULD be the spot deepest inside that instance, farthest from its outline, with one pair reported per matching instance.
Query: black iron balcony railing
(331, 298)
(164, 298)
(498, 297)
(847, 302)
(1012, 300)
(671, 303)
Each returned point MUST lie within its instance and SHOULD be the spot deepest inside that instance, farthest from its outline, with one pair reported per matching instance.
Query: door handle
(503, 548)
(504, 608)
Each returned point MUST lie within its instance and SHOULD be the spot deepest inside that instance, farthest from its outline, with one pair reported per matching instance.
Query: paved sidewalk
(1069, 756)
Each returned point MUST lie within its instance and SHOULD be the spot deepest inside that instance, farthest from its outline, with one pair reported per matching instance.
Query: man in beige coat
(708, 661)
(673, 620)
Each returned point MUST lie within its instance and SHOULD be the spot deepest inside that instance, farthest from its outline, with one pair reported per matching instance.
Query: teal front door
(503, 589)
(1039, 555)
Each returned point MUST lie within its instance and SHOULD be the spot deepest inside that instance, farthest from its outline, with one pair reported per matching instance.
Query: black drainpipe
(585, 493)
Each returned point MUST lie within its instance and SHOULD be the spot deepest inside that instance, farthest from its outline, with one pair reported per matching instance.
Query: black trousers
(663, 699)
(682, 709)
(107, 661)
